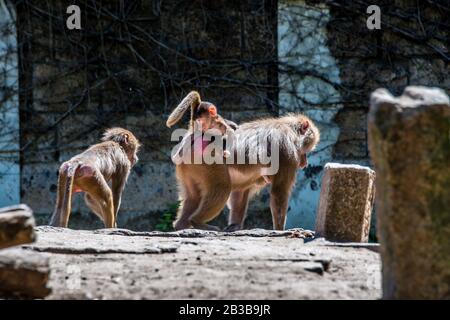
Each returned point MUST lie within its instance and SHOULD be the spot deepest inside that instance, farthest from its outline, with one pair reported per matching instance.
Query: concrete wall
(9, 109)
(339, 62)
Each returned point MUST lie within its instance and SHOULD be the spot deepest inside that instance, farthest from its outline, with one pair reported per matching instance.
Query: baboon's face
(207, 118)
(208, 122)
(134, 159)
(132, 146)
(204, 122)
(127, 141)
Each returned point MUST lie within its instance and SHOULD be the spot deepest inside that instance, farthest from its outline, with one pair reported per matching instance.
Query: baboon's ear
(212, 111)
(126, 138)
(232, 124)
(122, 138)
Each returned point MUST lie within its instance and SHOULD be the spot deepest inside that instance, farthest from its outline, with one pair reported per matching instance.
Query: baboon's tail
(63, 207)
(192, 100)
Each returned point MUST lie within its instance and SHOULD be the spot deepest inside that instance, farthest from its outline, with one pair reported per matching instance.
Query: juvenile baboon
(205, 188)
(204, 118)
(90, 172)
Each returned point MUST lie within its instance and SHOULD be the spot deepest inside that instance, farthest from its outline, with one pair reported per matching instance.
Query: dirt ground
(192, 264)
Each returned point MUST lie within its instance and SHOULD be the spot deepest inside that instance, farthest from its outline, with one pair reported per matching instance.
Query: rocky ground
(192, 264)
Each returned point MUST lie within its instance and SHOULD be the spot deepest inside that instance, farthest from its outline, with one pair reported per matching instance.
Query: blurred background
(133, 61)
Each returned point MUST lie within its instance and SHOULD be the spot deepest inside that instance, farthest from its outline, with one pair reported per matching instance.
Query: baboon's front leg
(118, 185)
(279, 196)
(278, 207)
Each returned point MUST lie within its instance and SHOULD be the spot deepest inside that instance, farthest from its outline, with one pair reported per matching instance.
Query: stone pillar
(346, 201)
(409, 141)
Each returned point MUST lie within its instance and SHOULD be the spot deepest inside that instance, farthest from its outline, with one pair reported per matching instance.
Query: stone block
(16, 226)
(23, 274)
(345, 204)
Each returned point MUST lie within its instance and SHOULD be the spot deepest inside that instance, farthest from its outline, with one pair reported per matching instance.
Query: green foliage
(165, 222)
(373, 237)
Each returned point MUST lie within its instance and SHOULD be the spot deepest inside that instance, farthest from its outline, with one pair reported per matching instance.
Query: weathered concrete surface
(249, 264)
(16, 226)
(410, 145)
(23, 274)
(346, 202)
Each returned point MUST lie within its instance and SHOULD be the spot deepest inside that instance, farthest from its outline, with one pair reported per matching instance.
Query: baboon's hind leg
(237, 203)
(97, 188)
(93, 205)
(214, 199)
(190, 200)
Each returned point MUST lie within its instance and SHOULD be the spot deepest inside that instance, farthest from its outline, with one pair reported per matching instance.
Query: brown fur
(90, 172)
(297, 135)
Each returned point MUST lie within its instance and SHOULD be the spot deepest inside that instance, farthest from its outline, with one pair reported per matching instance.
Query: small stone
(315, 267)
(325, 263)
(346, 202)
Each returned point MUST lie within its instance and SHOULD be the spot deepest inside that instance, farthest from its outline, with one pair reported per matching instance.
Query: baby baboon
(204, 117)
(90, 172)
